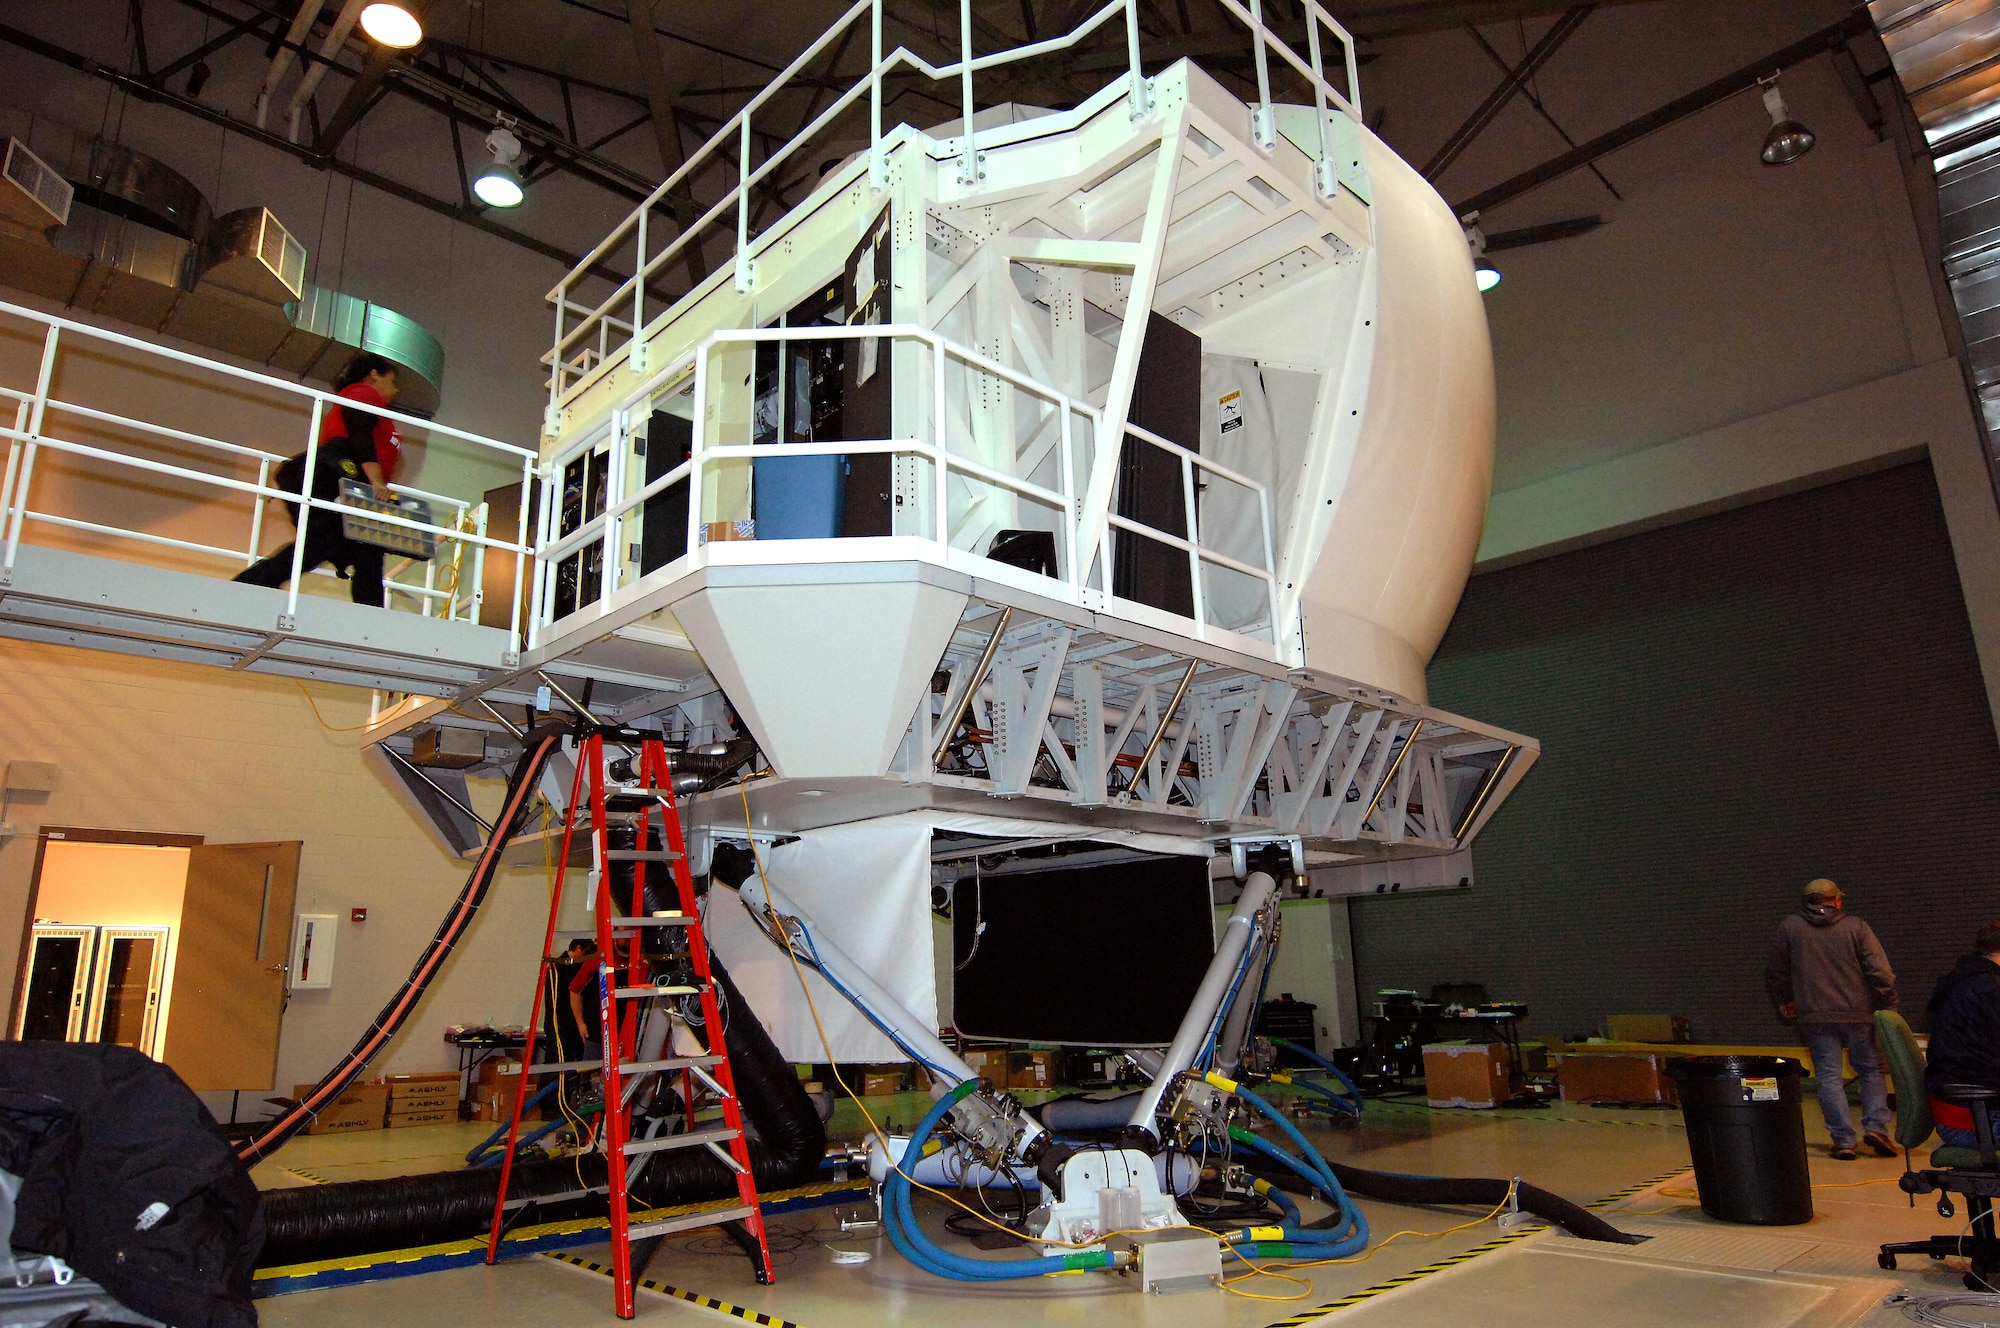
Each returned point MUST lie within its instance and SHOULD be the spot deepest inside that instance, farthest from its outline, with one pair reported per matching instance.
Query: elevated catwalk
(1122, 464)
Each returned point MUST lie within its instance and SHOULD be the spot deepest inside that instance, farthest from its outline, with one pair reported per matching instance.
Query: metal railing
(620, 322)
(949, 416)
(40, 411)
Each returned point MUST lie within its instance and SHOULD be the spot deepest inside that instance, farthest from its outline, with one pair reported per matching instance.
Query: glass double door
(93, 984)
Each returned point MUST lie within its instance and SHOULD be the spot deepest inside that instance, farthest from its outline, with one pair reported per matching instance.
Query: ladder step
(557, 1198)
(641, 855)
(626, 924)
(656, 991)
(677, 1063)
(634, 1147)
(563, 1067)
(641, 1230)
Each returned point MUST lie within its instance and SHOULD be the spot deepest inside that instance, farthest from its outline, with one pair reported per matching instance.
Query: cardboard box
(361, 1107)
(495, 1110)
(1467, 1074)
(499, 1069)
(445, 1113)
(716, 531)
(1614, 1077)
(408, 1092)
(1647, 1028)
(882, 1081)
(1536, 1058)
(989, 1063)
(1031, 1069)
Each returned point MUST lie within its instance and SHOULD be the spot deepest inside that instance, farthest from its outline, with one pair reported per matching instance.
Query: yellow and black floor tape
(1452, 1261)
(691, 1297)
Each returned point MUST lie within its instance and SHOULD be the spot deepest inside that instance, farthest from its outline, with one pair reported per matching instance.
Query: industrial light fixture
(499, 185)
(391, 25)
(1484, 274)
(1788, 140)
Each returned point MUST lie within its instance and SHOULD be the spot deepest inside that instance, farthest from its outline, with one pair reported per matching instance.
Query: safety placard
(1229, 412)
(1760, 1090)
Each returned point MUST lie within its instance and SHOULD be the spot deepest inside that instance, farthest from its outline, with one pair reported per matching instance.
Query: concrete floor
(1692, 1271)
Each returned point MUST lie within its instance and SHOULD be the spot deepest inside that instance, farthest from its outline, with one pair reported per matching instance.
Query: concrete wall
(240, 758)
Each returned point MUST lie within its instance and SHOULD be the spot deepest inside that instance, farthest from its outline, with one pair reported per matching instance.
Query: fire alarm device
(359, 915)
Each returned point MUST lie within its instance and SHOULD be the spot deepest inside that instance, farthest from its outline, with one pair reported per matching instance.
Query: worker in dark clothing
(1965, 1033)
(354, 444)
(1828, 972)
(583, 1002)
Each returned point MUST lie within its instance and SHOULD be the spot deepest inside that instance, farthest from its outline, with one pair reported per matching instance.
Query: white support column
(1087, 694)
(1131, 338)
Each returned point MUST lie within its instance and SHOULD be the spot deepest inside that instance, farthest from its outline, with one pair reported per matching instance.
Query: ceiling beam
(1729, 85)
(1517, 79)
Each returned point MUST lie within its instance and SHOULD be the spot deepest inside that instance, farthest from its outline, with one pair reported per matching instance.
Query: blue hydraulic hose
(1353, 1090)
(900, 1219)
(1350, 1215)
(1318, 1242)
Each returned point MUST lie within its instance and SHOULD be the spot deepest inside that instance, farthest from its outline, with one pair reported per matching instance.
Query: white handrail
(604, 528)
(29, 436)
(570, 367)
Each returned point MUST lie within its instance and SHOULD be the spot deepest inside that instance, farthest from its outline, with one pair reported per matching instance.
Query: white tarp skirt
(865, 887)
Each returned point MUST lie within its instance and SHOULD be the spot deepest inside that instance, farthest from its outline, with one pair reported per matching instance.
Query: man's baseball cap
(1822, 891)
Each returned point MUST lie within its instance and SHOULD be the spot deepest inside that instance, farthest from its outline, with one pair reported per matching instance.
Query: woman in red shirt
(354, 444)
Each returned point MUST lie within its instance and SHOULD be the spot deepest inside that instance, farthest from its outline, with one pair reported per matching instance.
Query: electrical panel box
(312, 951)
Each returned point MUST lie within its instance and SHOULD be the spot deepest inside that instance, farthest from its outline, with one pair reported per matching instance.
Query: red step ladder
(626, 983)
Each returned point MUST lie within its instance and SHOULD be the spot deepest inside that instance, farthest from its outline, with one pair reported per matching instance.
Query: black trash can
(1746, 1129)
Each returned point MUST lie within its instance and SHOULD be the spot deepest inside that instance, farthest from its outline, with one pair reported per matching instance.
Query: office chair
(1971, 1172)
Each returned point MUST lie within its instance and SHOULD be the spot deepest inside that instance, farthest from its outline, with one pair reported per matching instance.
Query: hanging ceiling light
(499, 185)
(1484, 274)
(391, 25)
(1788, 140)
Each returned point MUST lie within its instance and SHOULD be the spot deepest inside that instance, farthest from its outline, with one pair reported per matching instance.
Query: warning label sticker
(1760, 1090)
(1229, 412)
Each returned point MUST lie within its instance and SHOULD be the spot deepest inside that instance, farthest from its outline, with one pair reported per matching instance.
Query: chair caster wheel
(1945, 1208)
(1972, 1283)
(1886, 1261)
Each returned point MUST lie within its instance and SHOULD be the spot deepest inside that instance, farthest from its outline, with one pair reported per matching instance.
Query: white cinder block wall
(147, 745)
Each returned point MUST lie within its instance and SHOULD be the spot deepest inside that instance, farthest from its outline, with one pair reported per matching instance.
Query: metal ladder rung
(655, 991)
(626, 924)
(563, 1067)
(557, 1198)
(634, 1147)
(677, 1063)
(641, 1230)
(641, 855)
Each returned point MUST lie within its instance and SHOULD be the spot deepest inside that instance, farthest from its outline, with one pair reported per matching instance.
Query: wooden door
(228, 989)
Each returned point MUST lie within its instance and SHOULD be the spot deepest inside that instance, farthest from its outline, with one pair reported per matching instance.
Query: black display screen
(1107, 955)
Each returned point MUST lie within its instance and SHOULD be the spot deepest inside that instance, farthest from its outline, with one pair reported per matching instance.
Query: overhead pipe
(350, 13)
(301, 25)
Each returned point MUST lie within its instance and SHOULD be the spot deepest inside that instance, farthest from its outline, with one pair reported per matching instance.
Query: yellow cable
(1383, 1244)
(873, 1125)
(330, 728)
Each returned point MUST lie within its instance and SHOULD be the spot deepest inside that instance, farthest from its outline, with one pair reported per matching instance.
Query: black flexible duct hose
(1438, 1190)
(539, 746)
(365, 1217)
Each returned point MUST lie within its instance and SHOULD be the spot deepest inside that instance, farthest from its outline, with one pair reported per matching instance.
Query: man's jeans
(1826, 1042)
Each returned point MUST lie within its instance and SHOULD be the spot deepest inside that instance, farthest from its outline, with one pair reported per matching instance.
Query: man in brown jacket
(1828, 972)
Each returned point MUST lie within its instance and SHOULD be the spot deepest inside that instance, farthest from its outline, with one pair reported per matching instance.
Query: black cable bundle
(1434, 1191)
(540, 745)
(364, 1217)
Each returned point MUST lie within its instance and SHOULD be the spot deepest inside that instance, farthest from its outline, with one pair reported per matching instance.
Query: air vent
(33, 196)
(250, 252)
